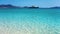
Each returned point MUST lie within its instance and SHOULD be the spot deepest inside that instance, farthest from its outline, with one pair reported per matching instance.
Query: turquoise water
(29, 21)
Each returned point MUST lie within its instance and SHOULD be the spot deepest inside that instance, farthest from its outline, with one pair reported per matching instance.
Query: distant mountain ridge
(12, 6)
(8, 6)
(56, 7)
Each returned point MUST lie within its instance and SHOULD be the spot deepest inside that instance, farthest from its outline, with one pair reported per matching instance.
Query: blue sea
(29, 21)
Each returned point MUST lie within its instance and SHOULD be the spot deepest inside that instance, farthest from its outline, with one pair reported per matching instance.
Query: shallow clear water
(29, 21)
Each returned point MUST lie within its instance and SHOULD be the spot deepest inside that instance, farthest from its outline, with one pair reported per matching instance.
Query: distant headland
(34, 7)
(12, 6)
(30, 7)
(55, 7)
(8, 6)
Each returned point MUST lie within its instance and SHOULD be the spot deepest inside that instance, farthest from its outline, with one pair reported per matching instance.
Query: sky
(40, 3)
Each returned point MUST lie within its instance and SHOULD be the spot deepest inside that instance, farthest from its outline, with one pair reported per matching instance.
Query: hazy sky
(40, 3)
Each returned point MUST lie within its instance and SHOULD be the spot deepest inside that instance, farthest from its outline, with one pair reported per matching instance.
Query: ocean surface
(29, 21)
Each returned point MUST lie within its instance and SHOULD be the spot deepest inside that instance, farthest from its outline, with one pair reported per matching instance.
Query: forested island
(12, 6)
